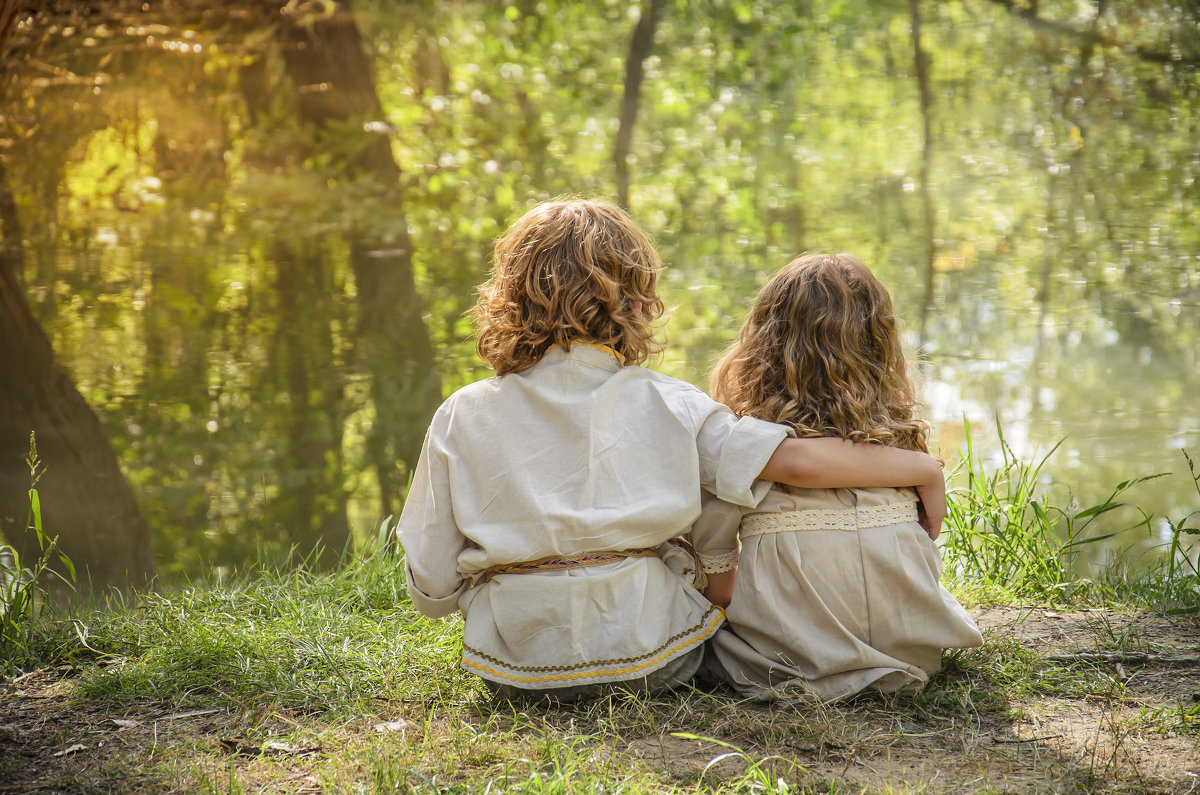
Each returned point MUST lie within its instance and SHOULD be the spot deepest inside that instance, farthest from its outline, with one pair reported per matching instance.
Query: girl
(838, 589)
(541, 494)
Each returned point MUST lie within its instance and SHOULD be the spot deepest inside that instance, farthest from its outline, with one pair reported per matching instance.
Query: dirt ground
(1141, 734)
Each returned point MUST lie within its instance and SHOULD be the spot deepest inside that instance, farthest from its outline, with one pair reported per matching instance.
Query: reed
(1007, 541)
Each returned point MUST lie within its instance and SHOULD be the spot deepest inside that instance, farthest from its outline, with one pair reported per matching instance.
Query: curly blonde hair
(820, 351)
(569, 271)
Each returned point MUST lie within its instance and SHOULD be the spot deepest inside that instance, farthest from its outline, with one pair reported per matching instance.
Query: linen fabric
(670, 676)
(578, 454)
(837, 591)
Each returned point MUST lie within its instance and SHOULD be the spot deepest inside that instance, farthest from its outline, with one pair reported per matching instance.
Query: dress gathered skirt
(837, 592)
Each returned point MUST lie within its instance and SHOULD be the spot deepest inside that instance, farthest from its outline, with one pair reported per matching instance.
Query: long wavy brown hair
(820, 351)
(569, 271)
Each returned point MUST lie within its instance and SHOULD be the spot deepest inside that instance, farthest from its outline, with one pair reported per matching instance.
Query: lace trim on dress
(846, 519)
(715, 564)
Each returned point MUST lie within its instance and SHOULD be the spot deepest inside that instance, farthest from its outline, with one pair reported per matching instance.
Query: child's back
(576, 456)
(541, 494)
(837, 590)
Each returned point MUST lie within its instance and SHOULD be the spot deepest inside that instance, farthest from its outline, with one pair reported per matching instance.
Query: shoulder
(466, 400)
(671, 389)
(688, 403)
(475, 391)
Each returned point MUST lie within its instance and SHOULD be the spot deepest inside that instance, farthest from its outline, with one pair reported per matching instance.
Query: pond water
(198, 278)
(1102, 401)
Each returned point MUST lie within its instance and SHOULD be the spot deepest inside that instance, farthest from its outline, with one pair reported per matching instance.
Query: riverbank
(302, 682)
(293, 681)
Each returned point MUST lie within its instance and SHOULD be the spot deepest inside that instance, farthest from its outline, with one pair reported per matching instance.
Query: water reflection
(1116, 404)
(199, 265)
(1115, 395)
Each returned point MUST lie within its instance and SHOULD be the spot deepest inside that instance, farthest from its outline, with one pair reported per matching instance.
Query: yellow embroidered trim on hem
(611, 351)
(593, 663)
(658, 656)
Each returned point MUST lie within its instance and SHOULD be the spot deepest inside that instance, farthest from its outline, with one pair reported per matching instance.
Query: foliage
(160, 206)
(1003, 537)
(1178, 562)
(23, 598)
(1172, 582)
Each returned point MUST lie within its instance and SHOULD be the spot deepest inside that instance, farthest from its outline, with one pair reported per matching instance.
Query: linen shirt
(578, 454)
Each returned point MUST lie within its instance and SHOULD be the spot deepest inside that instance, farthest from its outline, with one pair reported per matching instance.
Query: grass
(278, 640)
(1004, 542)
(22, 602)
(332, 682)
(295, 681)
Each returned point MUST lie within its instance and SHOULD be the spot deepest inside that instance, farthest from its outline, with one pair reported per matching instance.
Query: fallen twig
(1127, 658)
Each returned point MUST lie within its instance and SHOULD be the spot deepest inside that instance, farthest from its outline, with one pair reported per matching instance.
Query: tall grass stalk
(22, 599)
(1002, 533)
(1173, 585)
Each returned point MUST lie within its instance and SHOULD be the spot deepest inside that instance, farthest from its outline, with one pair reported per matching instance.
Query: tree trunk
(333, 78)
(639, 49)
(307, 376)
(86, 501)
(312, 503)
(921, 65)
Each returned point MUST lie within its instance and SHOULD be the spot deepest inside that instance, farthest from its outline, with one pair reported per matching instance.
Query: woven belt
(568, 561)
(846, 519)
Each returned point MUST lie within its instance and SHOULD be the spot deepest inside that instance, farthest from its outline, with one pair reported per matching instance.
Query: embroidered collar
(590, 353)
(620, 357)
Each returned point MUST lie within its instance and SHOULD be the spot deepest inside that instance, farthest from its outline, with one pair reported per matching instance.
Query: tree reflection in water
(216, 259)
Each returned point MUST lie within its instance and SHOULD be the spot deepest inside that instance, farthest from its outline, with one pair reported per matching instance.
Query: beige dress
(837, 591)
(577, 455)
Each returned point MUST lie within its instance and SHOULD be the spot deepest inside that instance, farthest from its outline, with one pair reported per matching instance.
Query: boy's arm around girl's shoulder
(827, 462)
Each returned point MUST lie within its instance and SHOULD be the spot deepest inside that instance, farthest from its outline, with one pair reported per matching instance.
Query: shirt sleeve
(733, 452)
(714, 534)
(431, 538)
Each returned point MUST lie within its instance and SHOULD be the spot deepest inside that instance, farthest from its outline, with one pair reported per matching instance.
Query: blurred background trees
(247, 233)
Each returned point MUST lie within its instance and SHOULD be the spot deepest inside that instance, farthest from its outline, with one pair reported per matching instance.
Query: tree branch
(1128, 658)
(1092, 36)
(639, 49)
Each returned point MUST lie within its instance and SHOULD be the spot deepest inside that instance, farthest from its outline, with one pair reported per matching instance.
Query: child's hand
(932, 508)
(720, 587)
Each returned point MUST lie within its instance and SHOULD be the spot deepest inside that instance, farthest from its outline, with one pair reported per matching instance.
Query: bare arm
(827, 463)
(720, 587)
